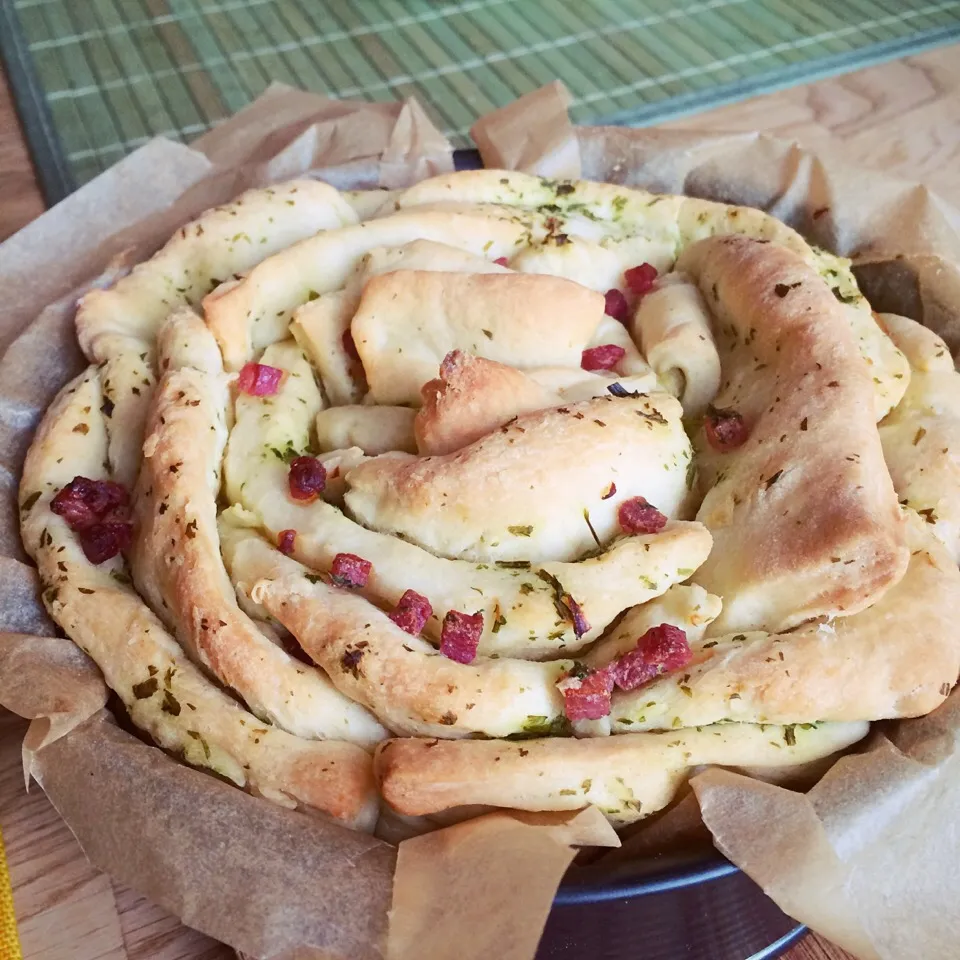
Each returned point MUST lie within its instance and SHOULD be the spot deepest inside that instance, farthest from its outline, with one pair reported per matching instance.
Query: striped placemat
(97, 78)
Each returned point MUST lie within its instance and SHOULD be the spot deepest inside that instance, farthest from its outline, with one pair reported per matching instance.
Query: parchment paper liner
(869, 856)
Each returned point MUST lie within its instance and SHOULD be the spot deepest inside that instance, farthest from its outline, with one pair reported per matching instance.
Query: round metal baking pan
(695, 906)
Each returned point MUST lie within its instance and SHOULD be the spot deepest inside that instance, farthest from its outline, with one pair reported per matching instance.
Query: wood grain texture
(902, 117)
(20, 197)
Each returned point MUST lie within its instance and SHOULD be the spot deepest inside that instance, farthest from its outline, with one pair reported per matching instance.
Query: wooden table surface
(903, 117)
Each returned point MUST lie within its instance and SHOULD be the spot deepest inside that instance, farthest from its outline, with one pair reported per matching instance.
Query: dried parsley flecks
(146, 688)
(521, 531)
(170, 704)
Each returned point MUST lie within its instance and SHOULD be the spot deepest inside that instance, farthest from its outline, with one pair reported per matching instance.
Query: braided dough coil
(429, 350)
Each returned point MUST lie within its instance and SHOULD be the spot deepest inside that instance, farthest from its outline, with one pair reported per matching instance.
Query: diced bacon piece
(99, 512)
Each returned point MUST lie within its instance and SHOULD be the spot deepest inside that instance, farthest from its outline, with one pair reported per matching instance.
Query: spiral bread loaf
(499, 491)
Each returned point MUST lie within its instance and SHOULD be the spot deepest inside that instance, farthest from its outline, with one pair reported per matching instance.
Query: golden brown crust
(518, 604)
(176, 556)
(257, 312)
(163, 692)
(486, 502)
(472, 397)
(898, 658)
(804, 516)
(627, 777)
(511, 506)
(407, 321)
(402, 679)
(921, 436)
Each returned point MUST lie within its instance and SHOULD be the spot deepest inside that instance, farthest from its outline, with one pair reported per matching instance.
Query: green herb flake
(537, 726)
(521, 531)
(170, 704)
(843, 297)
(146, 688)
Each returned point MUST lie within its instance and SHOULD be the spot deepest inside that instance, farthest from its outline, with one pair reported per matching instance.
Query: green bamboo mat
(114, 73)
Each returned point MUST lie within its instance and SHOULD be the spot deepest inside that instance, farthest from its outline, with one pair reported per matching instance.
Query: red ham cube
(99, 512)
(725, 429)
(412, 612)
(307, 478)
(615, 305)
(587, 697)
(105, 540)
(84, 503)
(640, 279)
(660, 650)
(636, 515)
(349, 570)
(286, 541)
(604, 357)
(460, 635)
(259, 380)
